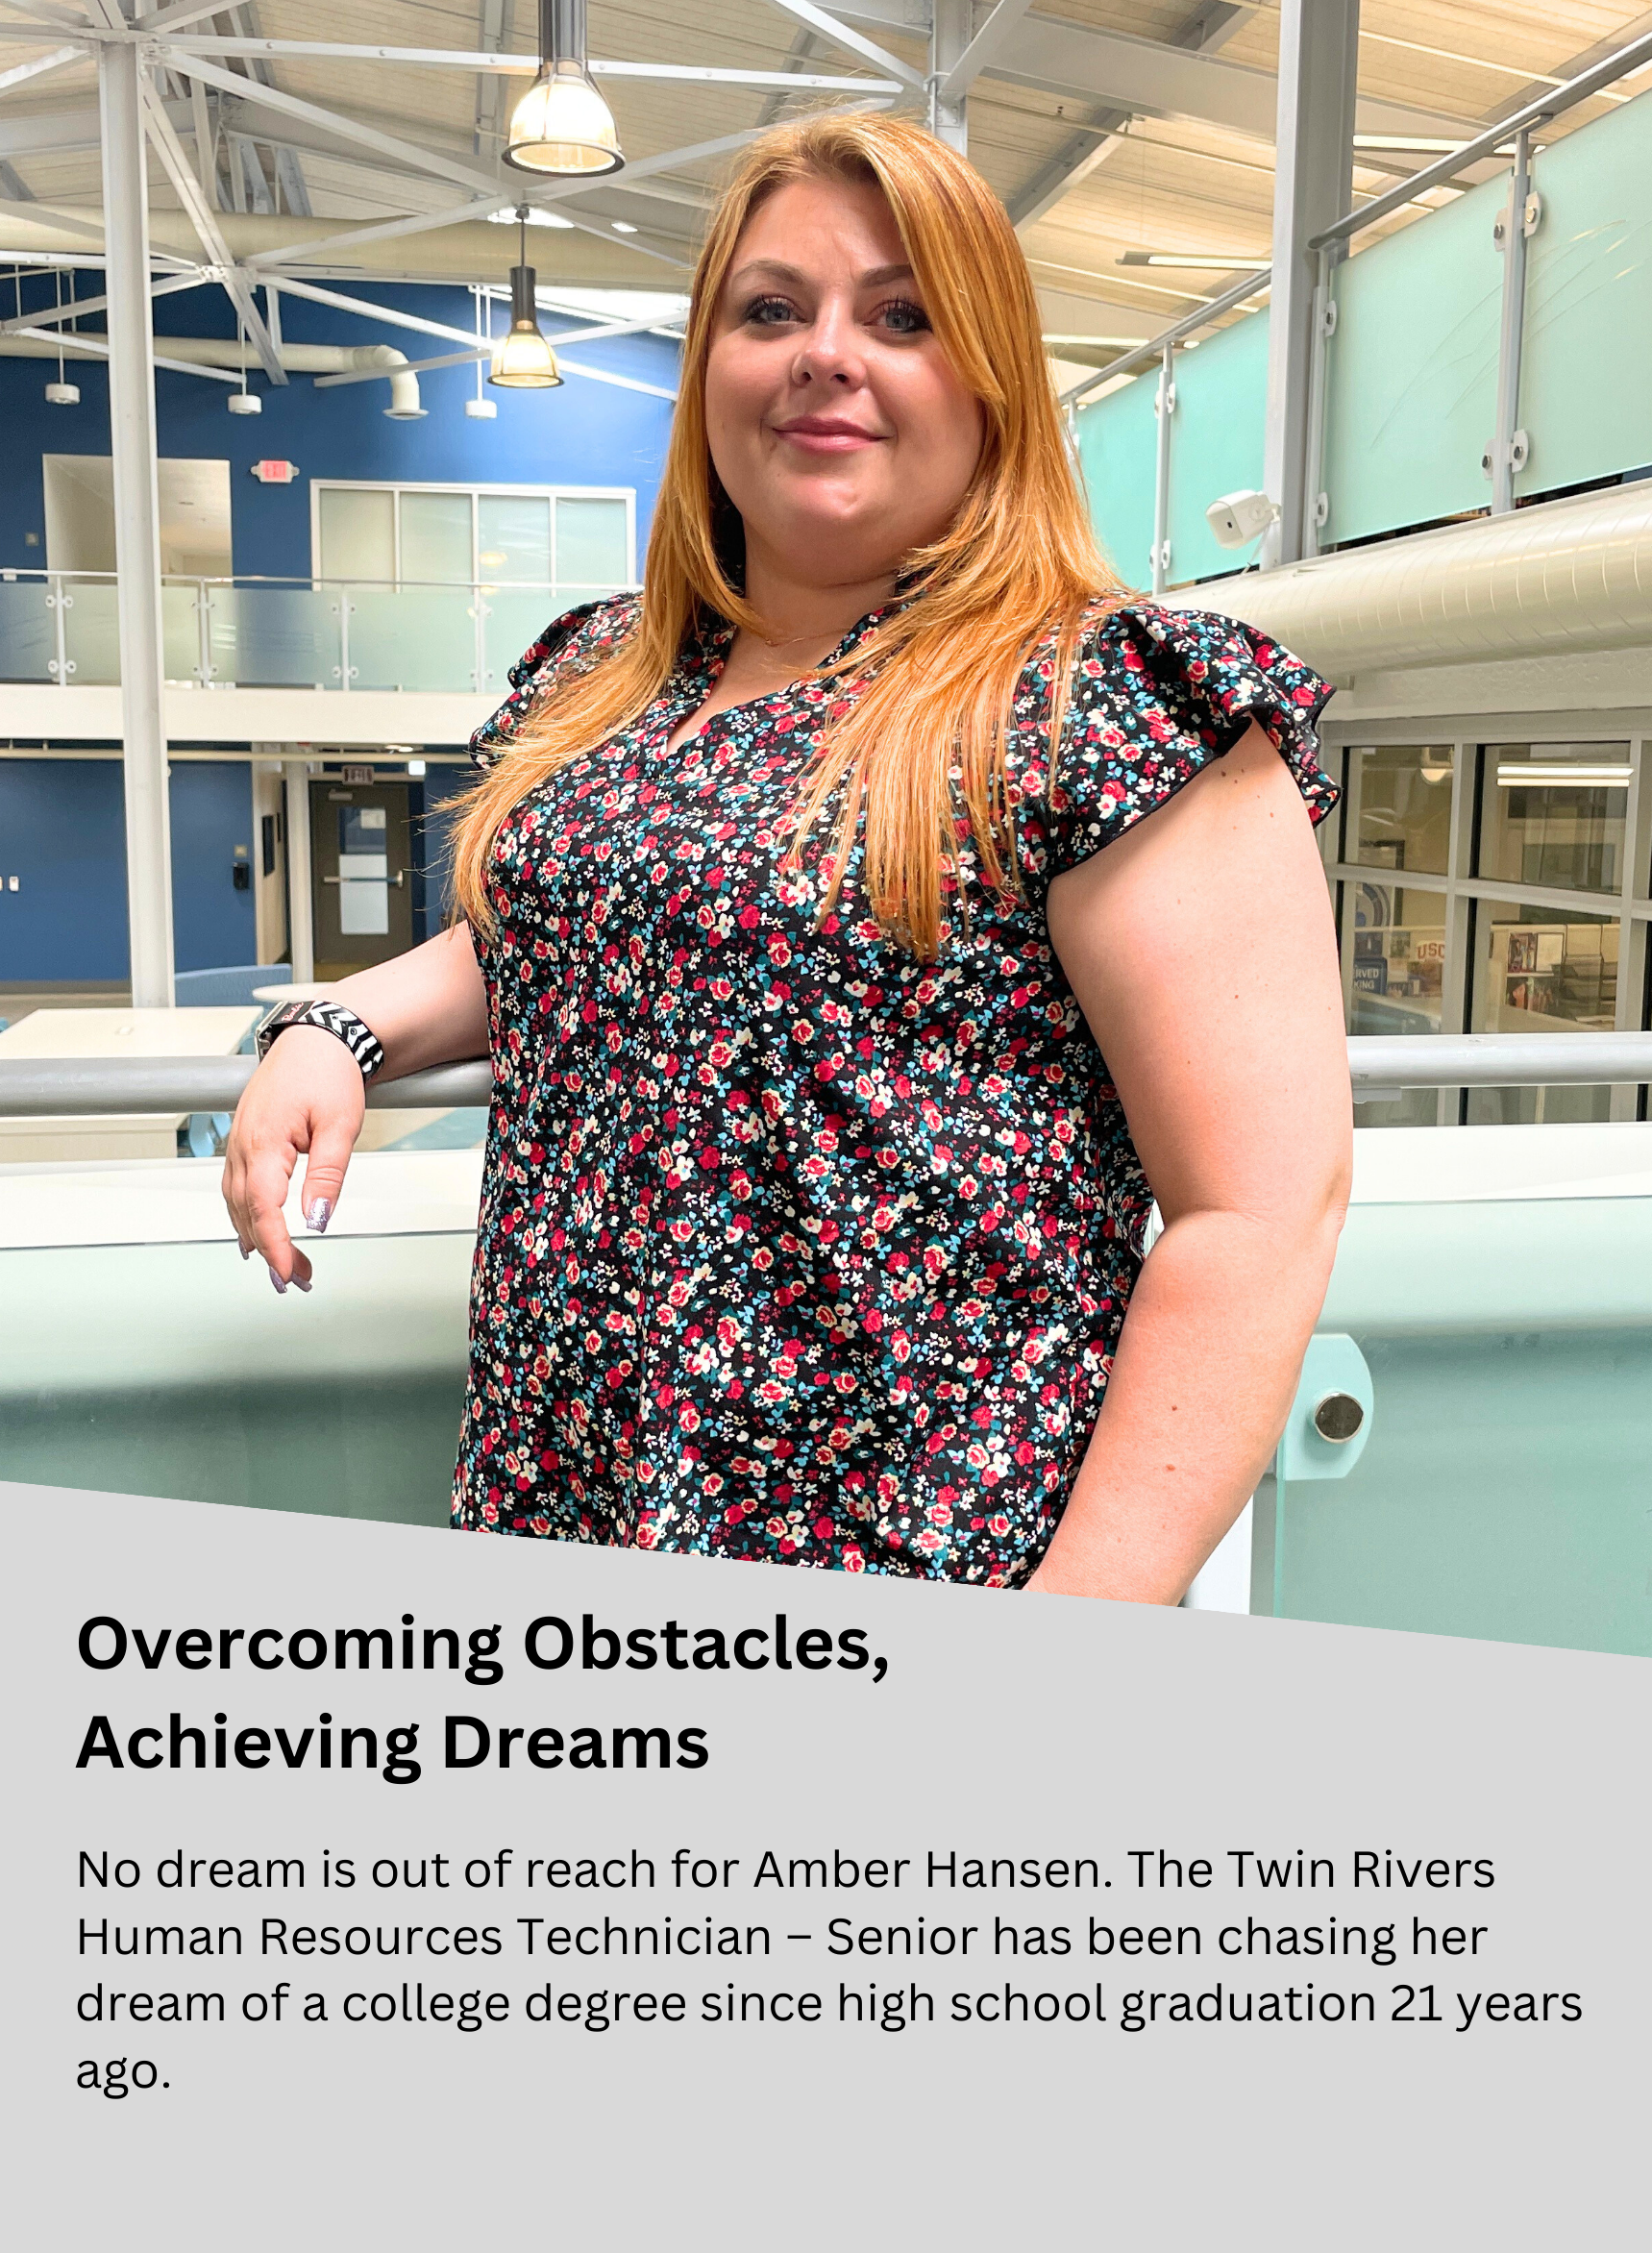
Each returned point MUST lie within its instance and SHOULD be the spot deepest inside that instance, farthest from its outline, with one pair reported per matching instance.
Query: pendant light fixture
(561, 123)
(62, 393)
(522, 359)
(479, 408)
(243, 401)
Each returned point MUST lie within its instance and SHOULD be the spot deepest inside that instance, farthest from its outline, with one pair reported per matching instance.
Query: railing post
(204, 632)
(61, 666)
(1510, 448)
(1316, 501)
(1166, 403)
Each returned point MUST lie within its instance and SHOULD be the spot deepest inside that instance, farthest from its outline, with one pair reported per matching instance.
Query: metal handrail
(1255, 282)
(1553, 104)
(97, 1087)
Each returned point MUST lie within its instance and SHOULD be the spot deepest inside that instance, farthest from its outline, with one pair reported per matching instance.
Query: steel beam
(485, 62)
(982, 51)
(202, 217)
(1318, 56)
(837, 34)
(136, 526)
(949, 42)
(20, 71)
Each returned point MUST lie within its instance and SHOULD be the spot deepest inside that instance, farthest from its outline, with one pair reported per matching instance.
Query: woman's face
(836, 425)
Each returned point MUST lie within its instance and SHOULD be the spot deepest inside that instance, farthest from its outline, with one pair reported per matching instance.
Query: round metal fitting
(1338, 1417)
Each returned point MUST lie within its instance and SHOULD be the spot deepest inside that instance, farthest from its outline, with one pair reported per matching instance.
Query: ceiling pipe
(299, 359)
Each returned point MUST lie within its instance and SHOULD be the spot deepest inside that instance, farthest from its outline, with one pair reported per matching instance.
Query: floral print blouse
(793, 1247)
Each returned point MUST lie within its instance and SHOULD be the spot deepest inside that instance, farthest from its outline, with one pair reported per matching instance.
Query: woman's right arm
(427, 1006)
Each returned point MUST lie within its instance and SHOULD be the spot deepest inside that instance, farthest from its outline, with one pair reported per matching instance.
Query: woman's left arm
(1200, 948)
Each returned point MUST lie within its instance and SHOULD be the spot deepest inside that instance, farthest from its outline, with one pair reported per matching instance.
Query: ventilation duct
(1561, 575)
(299, 359)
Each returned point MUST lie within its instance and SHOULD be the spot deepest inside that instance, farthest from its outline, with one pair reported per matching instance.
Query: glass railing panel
(514, 618)
(1585, 397)
(414, 638)
(1503, 1489)
(91, 632)
(1117, 450)
(181, 632)
(1217, 441)
(27, 630)
(1412, 371)
(276, 637)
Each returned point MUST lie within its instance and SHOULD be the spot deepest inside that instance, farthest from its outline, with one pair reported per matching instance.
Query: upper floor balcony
(276, 657)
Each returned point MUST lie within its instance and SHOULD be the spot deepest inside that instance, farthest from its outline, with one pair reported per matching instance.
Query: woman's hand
(308, 1096)
(427, 1006)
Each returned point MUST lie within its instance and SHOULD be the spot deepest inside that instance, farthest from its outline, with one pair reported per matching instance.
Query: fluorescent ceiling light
(622, 227)
(1560, 774)
(1203, 261)
(562, 124)
(507, 217)
(1423, 144)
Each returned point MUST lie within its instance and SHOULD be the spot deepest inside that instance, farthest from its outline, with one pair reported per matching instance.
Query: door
(363, 894)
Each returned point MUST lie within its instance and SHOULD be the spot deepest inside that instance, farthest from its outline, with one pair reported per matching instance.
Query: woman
(801, 898)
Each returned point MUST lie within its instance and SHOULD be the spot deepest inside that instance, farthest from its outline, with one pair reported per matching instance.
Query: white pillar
(950, 31)
(300, 872)
(1313, 158)
(137, 525)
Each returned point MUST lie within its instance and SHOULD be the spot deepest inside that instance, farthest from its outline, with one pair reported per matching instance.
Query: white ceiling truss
(296, 142)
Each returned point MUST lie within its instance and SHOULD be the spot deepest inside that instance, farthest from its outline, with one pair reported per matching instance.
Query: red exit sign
(275, 473)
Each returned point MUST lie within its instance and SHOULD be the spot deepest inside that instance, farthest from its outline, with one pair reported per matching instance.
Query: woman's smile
(827, 434)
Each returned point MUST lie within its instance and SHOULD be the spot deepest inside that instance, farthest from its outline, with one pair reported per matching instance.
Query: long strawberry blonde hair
(920, 744)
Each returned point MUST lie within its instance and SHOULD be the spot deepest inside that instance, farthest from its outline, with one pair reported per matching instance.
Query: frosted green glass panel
(513, 538)
(277, 636)
(1412, 372)
(421, 638)
(358, 532)
(1117, 445)
(435, 538)
(1504, 1489)
(1216, 442)
(591, 545)
(514, 618)
(1586, 373)
(181, 628)
(27, 630)
(92, 633)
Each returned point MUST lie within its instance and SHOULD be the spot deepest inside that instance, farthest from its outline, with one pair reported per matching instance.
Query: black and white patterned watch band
(332, 1017)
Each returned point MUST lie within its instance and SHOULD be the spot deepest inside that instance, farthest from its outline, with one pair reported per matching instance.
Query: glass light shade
(522, 359)
(562, 124)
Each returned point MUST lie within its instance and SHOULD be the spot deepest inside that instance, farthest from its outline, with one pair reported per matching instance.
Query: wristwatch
(332, 1017)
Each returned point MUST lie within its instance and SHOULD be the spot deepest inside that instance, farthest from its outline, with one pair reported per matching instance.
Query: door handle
(396, 881)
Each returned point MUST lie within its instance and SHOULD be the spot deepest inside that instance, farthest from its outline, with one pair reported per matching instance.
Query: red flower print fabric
(793, 1247)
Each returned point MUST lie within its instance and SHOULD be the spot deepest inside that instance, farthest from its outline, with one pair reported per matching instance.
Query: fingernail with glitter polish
(318, 1215)
(245, 1250)
(280, 1287)
(298, 1283)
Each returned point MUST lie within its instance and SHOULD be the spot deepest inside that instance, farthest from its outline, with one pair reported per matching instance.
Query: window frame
(486, 489)
(1461, 889)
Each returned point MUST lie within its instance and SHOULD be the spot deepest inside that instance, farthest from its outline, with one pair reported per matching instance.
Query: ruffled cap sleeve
(1156, 695)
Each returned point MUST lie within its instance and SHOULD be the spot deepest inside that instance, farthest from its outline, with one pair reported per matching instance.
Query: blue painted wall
(62, 835)
(585, 433)
(62, 822)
